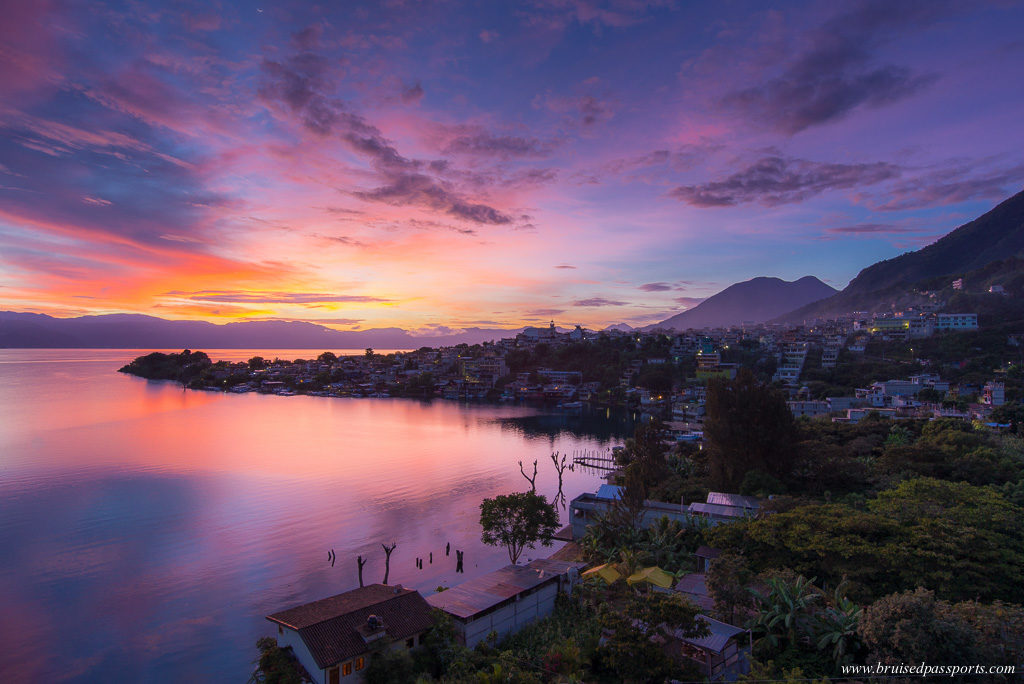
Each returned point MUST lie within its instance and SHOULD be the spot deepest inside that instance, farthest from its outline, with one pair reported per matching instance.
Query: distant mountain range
(988, 247)
(135, 331)
(756, 300)
(994, 236)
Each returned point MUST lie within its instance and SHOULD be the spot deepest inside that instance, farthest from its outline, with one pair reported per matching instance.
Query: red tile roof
(330, 627)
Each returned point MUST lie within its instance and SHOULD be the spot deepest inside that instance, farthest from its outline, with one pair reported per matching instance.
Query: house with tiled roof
(334, 638)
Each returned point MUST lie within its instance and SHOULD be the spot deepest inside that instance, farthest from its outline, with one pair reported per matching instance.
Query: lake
(147, 530)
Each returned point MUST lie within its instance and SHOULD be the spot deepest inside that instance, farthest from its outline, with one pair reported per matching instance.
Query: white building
(506, 600)
(993, 394)
(334, 638)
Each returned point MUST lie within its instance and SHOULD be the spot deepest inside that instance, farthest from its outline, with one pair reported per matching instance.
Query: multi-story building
(960, 321)
(993, 394)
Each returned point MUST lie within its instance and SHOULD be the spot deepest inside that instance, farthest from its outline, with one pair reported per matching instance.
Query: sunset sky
(444, 164)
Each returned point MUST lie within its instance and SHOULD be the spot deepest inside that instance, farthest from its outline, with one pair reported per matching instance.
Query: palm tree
(839, 626)
(785, 610)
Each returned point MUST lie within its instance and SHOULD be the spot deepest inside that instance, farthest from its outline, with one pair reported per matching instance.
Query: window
(360, 662)
(410, 642)
(332, 676)
(346, 669)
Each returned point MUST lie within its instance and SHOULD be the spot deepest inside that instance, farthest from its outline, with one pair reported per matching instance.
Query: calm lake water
(146, 530)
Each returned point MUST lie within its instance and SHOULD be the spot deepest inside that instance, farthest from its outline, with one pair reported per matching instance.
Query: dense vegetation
(881, 538)
(566, 646)
(185, 367)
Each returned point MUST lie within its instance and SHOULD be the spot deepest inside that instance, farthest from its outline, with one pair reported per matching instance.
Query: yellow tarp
(654, 575)
(607, 572)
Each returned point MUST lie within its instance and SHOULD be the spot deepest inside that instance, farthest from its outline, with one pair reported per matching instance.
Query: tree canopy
(517, 521)
(747, 426)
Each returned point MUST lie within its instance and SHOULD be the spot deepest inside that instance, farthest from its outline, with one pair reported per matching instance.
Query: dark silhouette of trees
(748, 427)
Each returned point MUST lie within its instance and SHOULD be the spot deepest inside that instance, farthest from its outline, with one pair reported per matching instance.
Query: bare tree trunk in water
(531, 480)
(387, 559)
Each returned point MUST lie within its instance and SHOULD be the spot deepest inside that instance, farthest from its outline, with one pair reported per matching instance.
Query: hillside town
(663, 373)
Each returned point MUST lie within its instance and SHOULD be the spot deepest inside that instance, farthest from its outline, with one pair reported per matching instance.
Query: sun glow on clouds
(593, 162)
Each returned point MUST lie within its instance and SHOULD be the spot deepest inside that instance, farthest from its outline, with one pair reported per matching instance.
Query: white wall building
(506, 600)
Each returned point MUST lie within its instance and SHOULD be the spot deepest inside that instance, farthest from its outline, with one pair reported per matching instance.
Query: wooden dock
(595, 459)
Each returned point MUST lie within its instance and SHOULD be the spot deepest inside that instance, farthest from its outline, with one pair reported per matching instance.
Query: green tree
(785, 610)
(837, 627)
(748, 426)
(631, 650)
(327, 357)
(369, 352)
(959, 540)
(389, 666)
(727, 582)
(517, 521)
(257, 363)
(275, 665)
(912, 627)
(998, 629)
(1012, 413)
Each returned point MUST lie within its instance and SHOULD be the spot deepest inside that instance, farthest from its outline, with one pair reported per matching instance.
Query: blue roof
(607, 491)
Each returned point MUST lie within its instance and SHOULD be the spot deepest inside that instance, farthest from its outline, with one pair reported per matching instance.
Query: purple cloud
(772, 181)
(870, 229)
(485, 144)
(950, 185)
(598, 301)
(301, 83)
(237, 297)
(835, 73)
(412, 94)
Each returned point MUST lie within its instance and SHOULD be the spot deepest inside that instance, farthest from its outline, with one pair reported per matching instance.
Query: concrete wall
(512, 617)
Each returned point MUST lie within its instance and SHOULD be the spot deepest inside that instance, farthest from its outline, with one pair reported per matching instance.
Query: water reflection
(584, 423)
(147, 530)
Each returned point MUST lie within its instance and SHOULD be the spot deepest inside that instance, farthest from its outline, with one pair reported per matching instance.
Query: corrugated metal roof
(707, 552)
(724, 499)
(479, 594)
(693, 583)
(721, 510)
(607, 491)
(717, 639)
(330, 627)
(694, 588)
